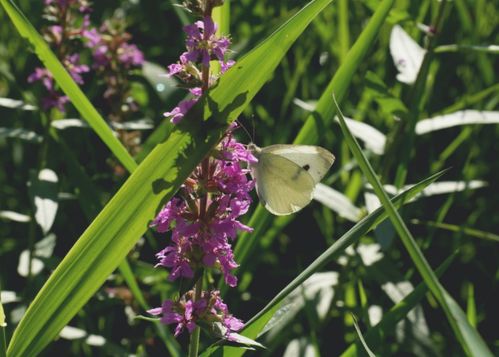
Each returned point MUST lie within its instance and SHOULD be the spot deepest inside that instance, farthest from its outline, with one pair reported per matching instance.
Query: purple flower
(187, 313)
(205, 240)
(92, 36)
(202, 43)
(177, 114)
(43, 75)
(54, 100)
(111, 49)
(130, 55)
(74, 68)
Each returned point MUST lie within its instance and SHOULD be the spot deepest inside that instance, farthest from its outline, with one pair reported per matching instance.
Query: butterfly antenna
(245, 130)
(253, 125)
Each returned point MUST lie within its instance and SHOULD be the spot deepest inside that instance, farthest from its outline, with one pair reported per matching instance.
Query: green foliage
(287, 53)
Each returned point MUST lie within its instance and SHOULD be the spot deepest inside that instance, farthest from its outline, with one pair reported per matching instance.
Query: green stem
(3, 341)
(194, 343)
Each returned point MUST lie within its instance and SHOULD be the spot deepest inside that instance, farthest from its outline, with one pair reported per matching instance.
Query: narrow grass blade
(491, 49)
(468, 337)
(332, 253)
(3, 343)
(361, 338)
(396, 313)
(125, 218)
(472, 232)
(62, 77)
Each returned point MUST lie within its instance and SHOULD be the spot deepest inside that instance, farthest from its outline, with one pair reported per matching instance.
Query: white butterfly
(286, 175)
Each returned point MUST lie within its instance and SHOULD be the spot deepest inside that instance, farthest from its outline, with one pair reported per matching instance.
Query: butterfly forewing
(313, 159)
(283, 186)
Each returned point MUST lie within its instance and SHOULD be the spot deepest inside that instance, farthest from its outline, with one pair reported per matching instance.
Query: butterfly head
(255, 150)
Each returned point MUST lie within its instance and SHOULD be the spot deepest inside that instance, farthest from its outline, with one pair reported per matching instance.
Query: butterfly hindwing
(283, 186)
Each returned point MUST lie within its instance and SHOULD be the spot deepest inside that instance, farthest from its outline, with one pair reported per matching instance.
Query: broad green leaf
(257, 323)
(468, 337)
(125, 218)
(62, 77)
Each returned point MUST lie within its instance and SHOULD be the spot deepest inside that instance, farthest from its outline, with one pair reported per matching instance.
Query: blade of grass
(3, 342)
(468, 337)
(317, 121)
(343, 30)
(471, 306)
(125, 218)
(455, 228)
(332, 253)
(62, 77)
(389, 321)
(361, 337)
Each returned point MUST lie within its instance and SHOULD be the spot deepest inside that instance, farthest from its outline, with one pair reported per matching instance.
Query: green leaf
(62, 77)
(256, 324)
(468, 337)
(388, 102)
(125, 218)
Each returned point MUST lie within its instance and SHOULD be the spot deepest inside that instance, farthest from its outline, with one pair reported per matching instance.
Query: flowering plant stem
(194, 342)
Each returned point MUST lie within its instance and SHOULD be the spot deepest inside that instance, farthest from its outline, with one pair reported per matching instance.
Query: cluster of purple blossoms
(186, 313)
(53, 98)
(204, 217)
(201, 238)
(71, 29)
(74, 14)
(203, 46)
(111, 48)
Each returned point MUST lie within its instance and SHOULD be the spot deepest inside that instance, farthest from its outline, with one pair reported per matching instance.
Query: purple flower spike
(187, 313)
(202, 43)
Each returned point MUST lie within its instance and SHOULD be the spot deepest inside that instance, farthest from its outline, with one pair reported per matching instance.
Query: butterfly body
(286, 175)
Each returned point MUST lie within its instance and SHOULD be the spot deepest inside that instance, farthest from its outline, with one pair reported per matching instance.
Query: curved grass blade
(472, 232)
(3, 343)
(62, 77)
(396, 313)
(318, 120)
(468, 337)
(332, 253)
(361, 337)
(125, 218)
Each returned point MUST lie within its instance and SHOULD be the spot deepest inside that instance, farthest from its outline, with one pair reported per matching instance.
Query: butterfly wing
(314, 159)
(283, 186)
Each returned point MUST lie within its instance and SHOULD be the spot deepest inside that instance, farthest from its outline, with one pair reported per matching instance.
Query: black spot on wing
(306, 167)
